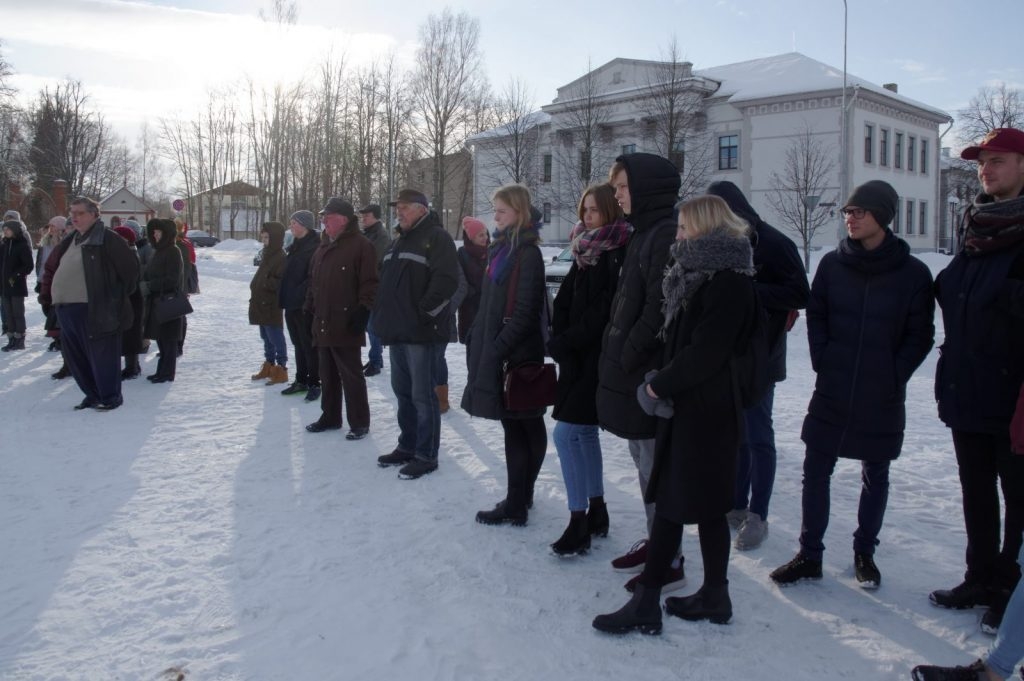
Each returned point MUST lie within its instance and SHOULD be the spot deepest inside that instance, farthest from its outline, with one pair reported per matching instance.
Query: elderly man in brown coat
(343, 285)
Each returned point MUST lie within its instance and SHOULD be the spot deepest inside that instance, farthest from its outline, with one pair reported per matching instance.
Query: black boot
(642, 613)
(19, 342)
(597, 517)
(131, 367)
(502, 513)
(10, 344)
(63, 372)
(709, 603)
(576, 538)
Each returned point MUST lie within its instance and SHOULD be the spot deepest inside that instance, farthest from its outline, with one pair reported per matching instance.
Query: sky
(141, 60)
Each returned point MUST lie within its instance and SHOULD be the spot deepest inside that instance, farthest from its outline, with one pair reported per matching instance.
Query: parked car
(200, 239)
(555, 271)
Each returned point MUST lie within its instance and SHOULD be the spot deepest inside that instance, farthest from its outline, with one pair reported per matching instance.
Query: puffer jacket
(264, 308)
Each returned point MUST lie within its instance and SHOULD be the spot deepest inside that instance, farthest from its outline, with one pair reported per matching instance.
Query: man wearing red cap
(980, 371)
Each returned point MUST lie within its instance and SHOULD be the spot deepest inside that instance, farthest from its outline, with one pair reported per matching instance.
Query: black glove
(357, 321)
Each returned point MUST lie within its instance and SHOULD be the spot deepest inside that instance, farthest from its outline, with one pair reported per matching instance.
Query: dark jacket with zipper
(870, 324)
(342, 289)
(295, 281)
(264, 288)
(164, 274)
(15, 265)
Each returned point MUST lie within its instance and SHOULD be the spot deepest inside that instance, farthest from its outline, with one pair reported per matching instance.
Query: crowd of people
(665, 305)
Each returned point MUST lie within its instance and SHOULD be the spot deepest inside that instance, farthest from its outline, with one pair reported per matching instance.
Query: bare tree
(396, 110)
(512, 153)
(448, 79)
(993, 107)
(281, 12)
(6, 71)
(801, 184)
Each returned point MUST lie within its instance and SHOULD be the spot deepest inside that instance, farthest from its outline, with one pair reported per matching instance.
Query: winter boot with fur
(278, 374)
(642, 613)
(264, 372)
(442, 398)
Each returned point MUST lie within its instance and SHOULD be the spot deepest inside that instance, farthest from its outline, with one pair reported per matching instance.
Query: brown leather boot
(264, 372)
(442, 397)
(278, 374)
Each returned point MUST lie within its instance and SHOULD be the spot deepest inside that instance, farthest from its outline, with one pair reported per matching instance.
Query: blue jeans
(376, 357)
(579, 451)
(1008, 649)
(440, 364)
(874, 496)
(419, 415)
(275, 350)
(755, 465)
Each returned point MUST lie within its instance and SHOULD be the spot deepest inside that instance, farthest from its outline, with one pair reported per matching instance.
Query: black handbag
(168, 306)
(531, 385)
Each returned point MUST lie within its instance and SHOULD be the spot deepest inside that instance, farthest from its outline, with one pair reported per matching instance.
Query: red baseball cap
(1000, 139)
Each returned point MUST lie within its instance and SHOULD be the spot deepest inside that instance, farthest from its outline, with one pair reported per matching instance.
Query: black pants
(307, 362)
(341, 374)
(526, 441)
(663, 547)
(986, 464)
(14, 314)
(95, 363)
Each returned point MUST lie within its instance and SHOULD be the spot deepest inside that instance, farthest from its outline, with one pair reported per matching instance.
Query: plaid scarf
(993, 226)
(587, 245)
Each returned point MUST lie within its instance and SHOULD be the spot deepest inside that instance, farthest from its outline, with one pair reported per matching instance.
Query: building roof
(236, 188)
(528, 121)
(124, 201)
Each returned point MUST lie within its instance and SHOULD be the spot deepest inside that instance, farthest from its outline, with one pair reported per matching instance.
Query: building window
(911, 152)
(883, 147)
(910, 216)
(585, 164)
(547, 167)
(678, 155)
(869, 142)
(924, 157)
(628, 148)
(547, 212)
(922, 219)
(729, 152)
(896, 217)
(897, 151)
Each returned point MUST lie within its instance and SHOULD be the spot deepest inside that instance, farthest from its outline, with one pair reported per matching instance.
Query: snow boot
(710, 603)
(442, 398)
(131, 367)
(576, 538)
(10, 343)
(295, 388)
(597, 517)
(642, 613)
(278, 374)
(264, 372)
(501, 514)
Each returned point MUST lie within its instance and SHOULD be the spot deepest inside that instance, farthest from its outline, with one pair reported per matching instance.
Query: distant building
(232, 211)
(959, 186)
(458, 188)
(741, 121)
(126, 205)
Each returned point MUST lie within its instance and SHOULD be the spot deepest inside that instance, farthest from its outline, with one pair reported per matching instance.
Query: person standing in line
(94, 273)
(646, 187)
(165, 274)
(265, 308)
(709, 316)
(502, 338)
(870, 324)
(980, 371)
(473, 261)
(374, 230)
(188, 254)
(48, 242)
(782, 287)
(412, 314)
(131, 340)
(292, 298)
(342, 287)
(579, 314)
(15, 266)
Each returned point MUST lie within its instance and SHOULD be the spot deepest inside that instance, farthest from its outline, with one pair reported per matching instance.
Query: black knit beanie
(878, 198)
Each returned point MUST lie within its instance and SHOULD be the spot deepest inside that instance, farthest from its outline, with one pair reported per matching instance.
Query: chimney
(892, 87)
(60, 197)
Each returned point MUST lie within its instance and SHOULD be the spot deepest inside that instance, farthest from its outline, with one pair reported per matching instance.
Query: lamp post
(842, 126)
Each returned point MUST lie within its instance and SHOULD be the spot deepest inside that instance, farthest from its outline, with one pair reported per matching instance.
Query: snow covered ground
(200, 529)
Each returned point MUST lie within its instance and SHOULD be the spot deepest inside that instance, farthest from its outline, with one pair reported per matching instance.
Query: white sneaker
(736, 517)
(752, 532)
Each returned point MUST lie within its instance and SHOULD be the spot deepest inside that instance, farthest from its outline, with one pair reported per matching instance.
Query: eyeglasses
(857, 213)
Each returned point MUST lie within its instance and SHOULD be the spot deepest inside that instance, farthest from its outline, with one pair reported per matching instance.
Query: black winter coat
(164, 274)
(780, 280)
(578, 318)
(695, 452)
(630, 346)
(264, 289)
(473, 261)
(870, 324)
(493, 342)
(295, 280)
(15, 265)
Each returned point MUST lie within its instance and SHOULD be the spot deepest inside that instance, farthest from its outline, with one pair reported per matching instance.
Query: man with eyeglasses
(869, 326)
(94, 274)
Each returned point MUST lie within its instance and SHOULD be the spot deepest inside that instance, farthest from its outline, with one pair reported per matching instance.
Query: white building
(742, 121)
(126, 205)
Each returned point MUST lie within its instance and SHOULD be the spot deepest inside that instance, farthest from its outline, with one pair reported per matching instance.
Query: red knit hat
(472, 227)
(126, 233)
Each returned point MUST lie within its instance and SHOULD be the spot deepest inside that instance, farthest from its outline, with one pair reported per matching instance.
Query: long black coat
(163, 274)
(494, 342)
(630, 347)
(15, 264)
(695, 451)
(295, 281)
(473, 261)
(131, 340)
(578, 318)
(870, 324)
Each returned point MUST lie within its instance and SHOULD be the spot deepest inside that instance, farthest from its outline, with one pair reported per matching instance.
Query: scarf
(993, 225)
(695, 262)
(500, 250)
(890, 254)
(587, 245)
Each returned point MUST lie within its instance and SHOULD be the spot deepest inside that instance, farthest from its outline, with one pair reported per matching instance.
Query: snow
(200, 529)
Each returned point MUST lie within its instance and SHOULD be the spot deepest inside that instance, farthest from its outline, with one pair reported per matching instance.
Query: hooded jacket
(630, 346)
(295, 281)
(15, 264)
(164, 274)
(264, 309)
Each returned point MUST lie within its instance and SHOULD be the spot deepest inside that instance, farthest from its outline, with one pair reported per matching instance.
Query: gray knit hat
(878, 198)
(305, 218)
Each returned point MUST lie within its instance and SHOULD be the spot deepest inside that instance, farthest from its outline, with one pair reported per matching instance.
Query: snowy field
(200, 530)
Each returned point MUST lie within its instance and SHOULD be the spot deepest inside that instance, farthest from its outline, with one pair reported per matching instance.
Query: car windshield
(565, 255)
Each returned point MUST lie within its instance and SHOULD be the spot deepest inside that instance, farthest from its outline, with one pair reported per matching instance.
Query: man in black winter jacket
(646, 187)
(782, 288)
(412, 315)
(377, 232)
(292, 298)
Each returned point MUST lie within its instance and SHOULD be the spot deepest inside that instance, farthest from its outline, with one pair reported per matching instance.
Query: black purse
(168, 306)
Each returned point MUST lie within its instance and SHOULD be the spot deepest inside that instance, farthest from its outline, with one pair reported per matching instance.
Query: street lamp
(842, 134)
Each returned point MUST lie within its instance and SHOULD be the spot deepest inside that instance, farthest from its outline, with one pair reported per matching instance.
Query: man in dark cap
(413, 314)
(980, 371)
(870, 324)
(377, 233)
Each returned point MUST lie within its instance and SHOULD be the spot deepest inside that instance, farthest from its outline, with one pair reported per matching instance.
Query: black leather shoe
(642, 613)
(501, 514)
(710, 603)
(109, 406)
(87, 403)
(395, 458)
(161, 379)
(312, 393)
(320, 426)
(371, 371)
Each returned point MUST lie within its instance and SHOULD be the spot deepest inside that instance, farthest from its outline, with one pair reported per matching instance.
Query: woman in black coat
(579, 314)
(164, 274)
(870, 324)
(15, 264)
(710, 309)
(501, 337)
